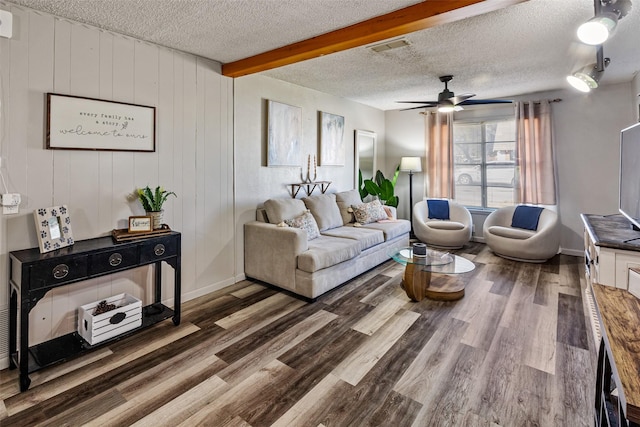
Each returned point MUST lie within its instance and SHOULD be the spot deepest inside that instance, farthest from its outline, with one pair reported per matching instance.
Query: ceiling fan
(447, 101)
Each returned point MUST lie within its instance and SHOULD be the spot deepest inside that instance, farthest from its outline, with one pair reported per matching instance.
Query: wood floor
(515, 351)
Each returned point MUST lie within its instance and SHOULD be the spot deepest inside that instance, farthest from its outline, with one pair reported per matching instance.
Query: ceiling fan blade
(461, 98)
(485, 101)
(417, 108)
(418, 102)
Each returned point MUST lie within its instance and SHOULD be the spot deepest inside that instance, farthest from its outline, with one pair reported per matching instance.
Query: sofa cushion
(511, 233)
(438, 209)
(367, 237)
(305, 222)
(326, 251)
(391, 229)
(325, 210)
(280, 209)
(445, 225)
(526, 217)
(366, 213)
(345, 200)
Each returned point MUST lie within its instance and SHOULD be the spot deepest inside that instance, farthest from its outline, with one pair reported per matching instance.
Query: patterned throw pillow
(369, 212)
(306, 222)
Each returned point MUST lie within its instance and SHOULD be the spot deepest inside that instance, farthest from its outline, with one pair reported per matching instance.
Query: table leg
(415, 282)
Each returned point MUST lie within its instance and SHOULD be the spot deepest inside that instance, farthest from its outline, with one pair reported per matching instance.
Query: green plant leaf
(395, 176)
(372, 188)
(361, 188)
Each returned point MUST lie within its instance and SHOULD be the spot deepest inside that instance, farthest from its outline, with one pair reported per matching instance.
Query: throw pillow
(280, 209)
(369, 212)
(526, 217)
(306, 222)
(345, 200)
(438, 209)
(325, 210)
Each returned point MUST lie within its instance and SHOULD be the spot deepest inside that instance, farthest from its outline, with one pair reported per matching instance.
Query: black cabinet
(33, 274)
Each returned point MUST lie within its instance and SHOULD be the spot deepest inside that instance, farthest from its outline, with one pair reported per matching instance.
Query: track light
(589, 77)
(607, 13)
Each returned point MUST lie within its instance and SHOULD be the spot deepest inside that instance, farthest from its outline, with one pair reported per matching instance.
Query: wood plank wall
(194, 155)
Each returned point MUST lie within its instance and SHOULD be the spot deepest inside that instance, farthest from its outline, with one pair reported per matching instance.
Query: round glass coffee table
(416, 280)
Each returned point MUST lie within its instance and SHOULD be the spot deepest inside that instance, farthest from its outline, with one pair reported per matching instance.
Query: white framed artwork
(331, 139)
(284, 135)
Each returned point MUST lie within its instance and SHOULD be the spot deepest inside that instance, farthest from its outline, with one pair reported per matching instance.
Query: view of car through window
(484, 168)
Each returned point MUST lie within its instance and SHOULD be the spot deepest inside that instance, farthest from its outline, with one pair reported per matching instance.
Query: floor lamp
(411, 165)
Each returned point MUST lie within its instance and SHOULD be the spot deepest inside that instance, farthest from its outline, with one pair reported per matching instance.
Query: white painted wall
(636, 93)
(587, 130)
(255, 182)
(194, 155)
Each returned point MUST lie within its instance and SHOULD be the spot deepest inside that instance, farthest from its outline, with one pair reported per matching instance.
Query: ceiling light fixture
(588, 77)
(446, 106)
(599, 28)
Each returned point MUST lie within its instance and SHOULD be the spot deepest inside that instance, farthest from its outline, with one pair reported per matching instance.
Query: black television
(629, 205)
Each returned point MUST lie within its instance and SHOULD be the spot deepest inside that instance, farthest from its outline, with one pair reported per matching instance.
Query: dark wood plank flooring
(517, 350)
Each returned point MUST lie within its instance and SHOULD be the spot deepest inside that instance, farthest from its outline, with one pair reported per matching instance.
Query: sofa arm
(271, 252)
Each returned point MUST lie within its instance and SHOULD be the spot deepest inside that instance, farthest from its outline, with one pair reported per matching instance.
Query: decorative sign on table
(140, 224)
(76, 123)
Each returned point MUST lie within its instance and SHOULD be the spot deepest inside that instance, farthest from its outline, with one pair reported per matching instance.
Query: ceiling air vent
(393, 44)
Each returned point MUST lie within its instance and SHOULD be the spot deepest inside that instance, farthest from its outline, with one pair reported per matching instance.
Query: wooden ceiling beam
(421, 16)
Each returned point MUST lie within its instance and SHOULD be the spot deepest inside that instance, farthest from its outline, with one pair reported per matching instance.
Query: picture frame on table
(140, 224)
(53, 226)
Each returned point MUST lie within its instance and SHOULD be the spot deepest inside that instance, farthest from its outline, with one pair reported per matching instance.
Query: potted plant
(152, 201)
(383, 188)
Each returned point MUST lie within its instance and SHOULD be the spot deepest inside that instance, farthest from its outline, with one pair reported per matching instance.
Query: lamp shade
(411, 164)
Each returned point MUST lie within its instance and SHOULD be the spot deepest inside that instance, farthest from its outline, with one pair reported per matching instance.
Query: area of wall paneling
(193, 157)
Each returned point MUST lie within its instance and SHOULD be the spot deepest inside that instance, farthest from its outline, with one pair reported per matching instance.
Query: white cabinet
(609, 256)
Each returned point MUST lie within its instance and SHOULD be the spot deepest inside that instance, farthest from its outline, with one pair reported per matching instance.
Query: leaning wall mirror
(365, 158)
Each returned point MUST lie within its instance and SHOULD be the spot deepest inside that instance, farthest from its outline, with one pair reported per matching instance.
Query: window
(484, 162)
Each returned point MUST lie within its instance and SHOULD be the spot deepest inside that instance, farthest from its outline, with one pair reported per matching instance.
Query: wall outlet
(10, 203)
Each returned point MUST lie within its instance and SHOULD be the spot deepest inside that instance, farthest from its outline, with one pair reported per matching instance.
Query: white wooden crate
(95, 329)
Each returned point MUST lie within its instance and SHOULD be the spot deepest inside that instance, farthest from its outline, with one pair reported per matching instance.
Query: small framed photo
(53, 226)
(140, 224)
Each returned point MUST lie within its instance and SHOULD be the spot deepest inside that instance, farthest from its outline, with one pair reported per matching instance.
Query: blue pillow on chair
(438, 209)
(526, 217)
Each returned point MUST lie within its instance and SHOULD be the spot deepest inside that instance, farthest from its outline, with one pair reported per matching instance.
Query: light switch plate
(6, 24)
(10, 203)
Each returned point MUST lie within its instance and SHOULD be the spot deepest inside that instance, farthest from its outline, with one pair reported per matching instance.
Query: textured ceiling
(521, 49)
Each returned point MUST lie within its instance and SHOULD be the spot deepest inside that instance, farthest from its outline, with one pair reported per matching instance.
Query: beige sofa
(284, 257)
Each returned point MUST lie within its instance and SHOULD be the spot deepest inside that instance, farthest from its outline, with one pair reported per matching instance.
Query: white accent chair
(520, 244)
(449, 234)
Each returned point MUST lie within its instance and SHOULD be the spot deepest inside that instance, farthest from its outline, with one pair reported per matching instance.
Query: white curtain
(535, 154)
(439, 154)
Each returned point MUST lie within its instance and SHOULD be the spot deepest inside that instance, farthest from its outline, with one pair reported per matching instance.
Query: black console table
(33, 274)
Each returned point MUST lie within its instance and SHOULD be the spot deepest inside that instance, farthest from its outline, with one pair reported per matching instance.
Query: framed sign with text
(77, 123)
(140, 224)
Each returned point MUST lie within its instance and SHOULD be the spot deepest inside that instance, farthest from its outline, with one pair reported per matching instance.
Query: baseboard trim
(572, 252)
(207, 289)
